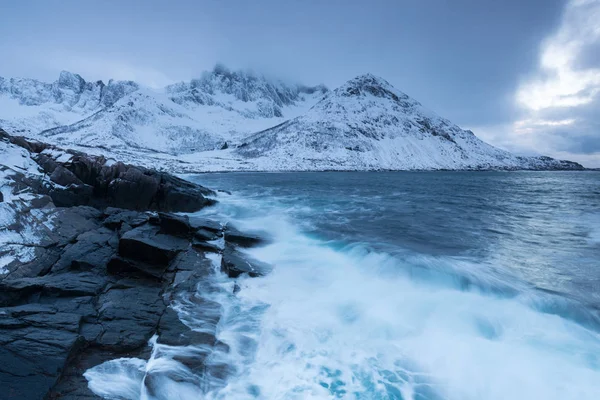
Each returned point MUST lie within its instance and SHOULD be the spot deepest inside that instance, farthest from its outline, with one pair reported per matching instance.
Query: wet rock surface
(82, 306)
(107, 274)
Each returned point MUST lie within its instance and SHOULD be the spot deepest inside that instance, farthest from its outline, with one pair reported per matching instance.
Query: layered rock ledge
(92, 262)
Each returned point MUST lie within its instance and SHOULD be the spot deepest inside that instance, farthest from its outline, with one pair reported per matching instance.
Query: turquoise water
(432, 285)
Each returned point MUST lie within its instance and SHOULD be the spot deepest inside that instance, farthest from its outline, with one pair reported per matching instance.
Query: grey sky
(505, 69)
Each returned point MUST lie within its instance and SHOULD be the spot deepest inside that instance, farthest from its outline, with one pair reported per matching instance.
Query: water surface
(412, 285)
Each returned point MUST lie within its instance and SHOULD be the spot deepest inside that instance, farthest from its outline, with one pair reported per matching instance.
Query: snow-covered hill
(227, 121)
(367, 124)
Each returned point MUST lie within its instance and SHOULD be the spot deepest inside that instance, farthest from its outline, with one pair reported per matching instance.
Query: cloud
(560, 102)
(92, 67)
(565, 81)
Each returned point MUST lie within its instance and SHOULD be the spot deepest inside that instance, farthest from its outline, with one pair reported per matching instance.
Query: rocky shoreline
(93, 260)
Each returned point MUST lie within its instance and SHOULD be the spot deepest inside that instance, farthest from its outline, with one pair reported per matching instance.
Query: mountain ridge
(234, 120)
(367, 124)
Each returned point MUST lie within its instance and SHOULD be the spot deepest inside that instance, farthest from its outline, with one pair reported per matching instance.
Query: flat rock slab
(146, 244)
(129, 316)
(34, 346)
(172, 224)
(16, 291)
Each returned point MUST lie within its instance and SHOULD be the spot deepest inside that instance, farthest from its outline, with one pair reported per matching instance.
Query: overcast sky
(524, 75)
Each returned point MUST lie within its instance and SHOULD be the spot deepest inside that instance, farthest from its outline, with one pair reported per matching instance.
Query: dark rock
(204, 246)
(87, 180)
(177, 195)
(47, 163)
(134, 268)
(72, 222)
(234, 264)
(191, 260)
(42, 263)
(202, 223)
(117, 216)
(15, 291)
(34, 355)
(74, 195)
(41, 202)
(72, 384)
(244, 239)
(154, 220)
(100, 283)
(174, 224)
(205, 234)
(64, 177)
(172, 332)
(125, 227)
(147, 245)
(129, 315)
(134, 189)
(91, 251)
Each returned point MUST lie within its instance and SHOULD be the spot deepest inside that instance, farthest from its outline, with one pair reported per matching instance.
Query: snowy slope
(367, 124)
(18, 220)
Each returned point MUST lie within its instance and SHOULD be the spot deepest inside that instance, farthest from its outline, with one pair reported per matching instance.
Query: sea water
(404, 285)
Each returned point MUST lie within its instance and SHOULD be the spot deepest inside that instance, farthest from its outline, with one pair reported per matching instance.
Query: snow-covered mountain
(221, 107)
(228, 120)
(367, 124)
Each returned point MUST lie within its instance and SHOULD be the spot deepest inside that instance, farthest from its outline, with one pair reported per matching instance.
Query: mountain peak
(370, 85)
(70, 80)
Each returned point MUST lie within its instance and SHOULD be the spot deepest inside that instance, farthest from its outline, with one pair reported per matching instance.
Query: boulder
(133, 190)
(64, 177)
(69, 284)
(172, 224)
(73, 195)
(244, 239)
